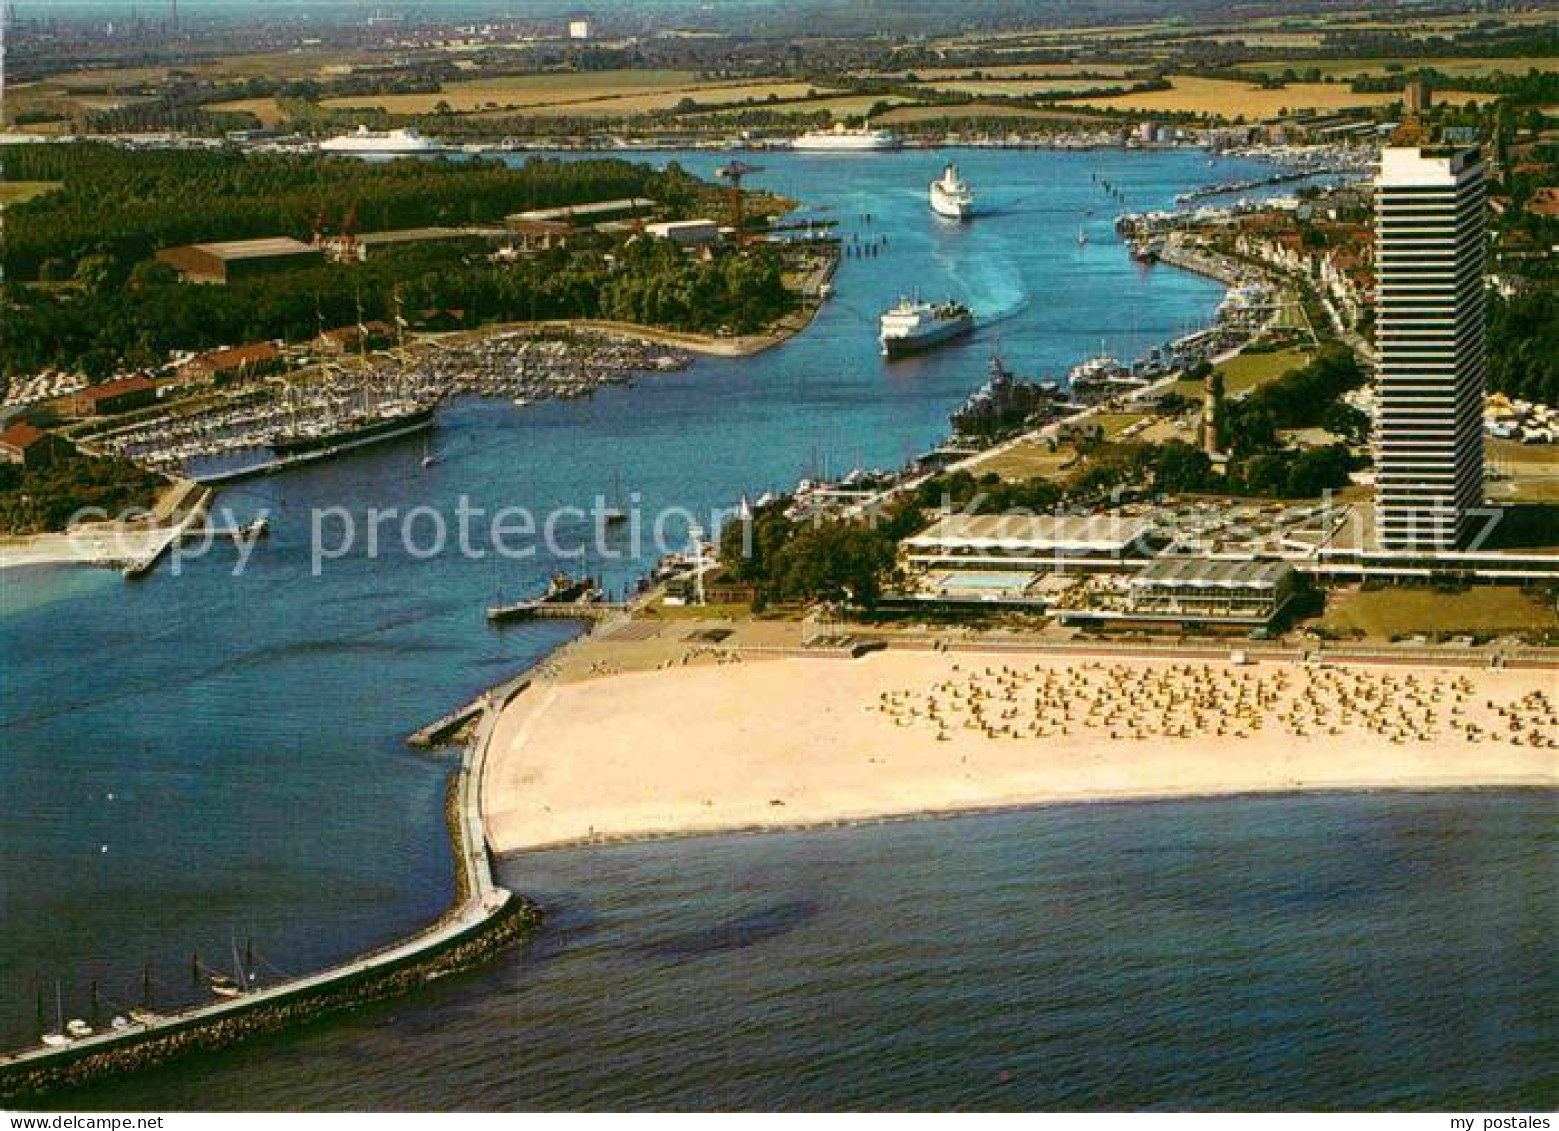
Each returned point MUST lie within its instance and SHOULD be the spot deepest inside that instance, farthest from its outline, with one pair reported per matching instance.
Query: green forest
(110, 328)
(125, 204)
(123, 309)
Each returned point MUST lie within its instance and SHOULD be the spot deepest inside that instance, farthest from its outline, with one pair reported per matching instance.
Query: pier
(484, 919)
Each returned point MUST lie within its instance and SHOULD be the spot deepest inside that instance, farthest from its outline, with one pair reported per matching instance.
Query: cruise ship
(913, 326)
(951, 195)
(380, 142)
(842, 139)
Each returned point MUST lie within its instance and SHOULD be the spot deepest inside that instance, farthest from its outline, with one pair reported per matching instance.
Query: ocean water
(1367, 951)
(197, 762)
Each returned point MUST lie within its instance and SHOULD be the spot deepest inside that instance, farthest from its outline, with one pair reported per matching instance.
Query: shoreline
(1342, 789)
(609, 747)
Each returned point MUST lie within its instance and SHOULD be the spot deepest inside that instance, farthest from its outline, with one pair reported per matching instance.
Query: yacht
(913, 326)
(842, 139)
(951, 195)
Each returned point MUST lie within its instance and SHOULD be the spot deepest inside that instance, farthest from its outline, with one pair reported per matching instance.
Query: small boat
(614, 514)
(1082, 237)
(520, 402)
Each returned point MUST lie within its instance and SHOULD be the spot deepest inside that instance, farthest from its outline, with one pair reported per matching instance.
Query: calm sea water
(198, 761)
(1316, 952)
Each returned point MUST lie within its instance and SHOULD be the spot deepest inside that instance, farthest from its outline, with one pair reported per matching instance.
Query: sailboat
(1082, 237)
(614, 514)
(56, 1039)
(429, 456)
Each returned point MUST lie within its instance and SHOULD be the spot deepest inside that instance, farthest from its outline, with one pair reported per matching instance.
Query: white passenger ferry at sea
(914, 326)
(842, 139)
(381, 142)
(951, 195)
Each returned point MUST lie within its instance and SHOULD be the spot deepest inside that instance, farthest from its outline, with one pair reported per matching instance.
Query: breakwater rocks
(170, 1039)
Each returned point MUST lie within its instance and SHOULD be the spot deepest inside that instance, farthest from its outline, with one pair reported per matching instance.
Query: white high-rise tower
(1430, 345)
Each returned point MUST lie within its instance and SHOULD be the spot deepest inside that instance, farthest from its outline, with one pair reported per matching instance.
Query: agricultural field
(909, 115)
(1222, 98)
(1006, 71)
(838, 107)
(15, 192)
(613, 93)
(1385, 614)
(1354, 68)
(1021, 88)
(266, 109)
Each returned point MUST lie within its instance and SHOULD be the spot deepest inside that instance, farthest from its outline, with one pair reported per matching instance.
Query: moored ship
(913, 326)
(383, 142)
(387, 423)
(951, 195)
(842, 139)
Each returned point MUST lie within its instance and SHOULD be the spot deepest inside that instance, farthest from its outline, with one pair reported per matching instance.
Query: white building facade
(1430, 345)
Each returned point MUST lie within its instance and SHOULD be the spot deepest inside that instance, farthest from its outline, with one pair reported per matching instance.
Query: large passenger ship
(842, 139)
(385, 142)
(951, 195)
(913, 326)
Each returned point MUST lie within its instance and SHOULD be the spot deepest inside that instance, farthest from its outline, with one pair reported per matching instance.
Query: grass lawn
(1029, 460)
(1246, 371)
(1394, 612)
(14, 192)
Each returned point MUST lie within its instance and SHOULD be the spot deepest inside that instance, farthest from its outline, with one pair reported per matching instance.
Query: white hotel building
(1429, 334)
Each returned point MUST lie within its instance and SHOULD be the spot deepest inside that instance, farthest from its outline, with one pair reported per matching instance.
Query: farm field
(1223, 98)
(842, 106)
(1021, 88)
(614, 93)
(265, 109)
(908, 115)
(1006, 71)
(1351, 68)
(15, 192)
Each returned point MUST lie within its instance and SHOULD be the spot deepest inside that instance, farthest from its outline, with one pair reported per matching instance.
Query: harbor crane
(734, 171)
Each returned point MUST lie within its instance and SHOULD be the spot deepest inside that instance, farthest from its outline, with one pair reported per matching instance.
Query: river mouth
(205, 757)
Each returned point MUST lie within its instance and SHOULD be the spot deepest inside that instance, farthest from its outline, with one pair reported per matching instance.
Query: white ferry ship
(951, 195)
(842, 139)
(913, 326)
(382, 142)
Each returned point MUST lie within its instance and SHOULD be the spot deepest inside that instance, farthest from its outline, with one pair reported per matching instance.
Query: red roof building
(110, 397)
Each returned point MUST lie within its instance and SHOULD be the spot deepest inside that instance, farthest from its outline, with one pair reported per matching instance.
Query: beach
(719, 744)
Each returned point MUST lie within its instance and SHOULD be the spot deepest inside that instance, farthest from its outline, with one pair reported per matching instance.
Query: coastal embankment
(483, 919)
(629, 741)
(128, 544)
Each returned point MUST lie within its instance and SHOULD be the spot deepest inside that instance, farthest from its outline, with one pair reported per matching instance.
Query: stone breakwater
(482, 920)
(137, 1052)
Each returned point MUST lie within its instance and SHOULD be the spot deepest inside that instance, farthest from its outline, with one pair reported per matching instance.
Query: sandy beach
(776, 742)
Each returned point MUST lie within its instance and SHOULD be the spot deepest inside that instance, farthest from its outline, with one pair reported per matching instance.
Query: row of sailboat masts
(219, 983)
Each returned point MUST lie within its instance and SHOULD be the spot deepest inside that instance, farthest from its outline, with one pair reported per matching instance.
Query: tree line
(126, 204)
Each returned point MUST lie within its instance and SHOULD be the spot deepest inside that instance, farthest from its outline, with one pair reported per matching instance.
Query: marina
(336, 408)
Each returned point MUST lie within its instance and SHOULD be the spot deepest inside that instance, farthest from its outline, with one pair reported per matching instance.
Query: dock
(554, 610)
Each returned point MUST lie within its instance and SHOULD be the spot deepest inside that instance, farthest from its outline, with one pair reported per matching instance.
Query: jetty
(483, 919)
